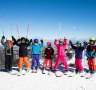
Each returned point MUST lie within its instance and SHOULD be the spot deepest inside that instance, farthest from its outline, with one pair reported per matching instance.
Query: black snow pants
(8, 62)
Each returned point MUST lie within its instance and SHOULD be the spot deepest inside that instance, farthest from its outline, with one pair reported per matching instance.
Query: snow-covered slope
(39, 81)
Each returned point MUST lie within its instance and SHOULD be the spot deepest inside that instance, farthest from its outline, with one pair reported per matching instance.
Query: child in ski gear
(78, 55)
(91, 55)
(23, 43)
(61, 53)
(36, 47)
(8, 53)
(49, 52)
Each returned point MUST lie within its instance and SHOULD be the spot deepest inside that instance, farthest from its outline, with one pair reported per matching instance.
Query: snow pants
(47, 63)
(25, 60)
(35, 61)
(63, 60)
(78, 65)
(8, 62)
(92, 64)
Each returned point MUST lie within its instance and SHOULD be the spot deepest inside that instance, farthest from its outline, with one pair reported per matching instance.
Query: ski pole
(11, 29)
(17, 31)
(27, 31)
(59, 29)
(2, 30)
(11, 19)
(2, 26)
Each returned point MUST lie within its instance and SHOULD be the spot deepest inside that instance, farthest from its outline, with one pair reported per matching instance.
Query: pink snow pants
(78, 64)
(63, 60)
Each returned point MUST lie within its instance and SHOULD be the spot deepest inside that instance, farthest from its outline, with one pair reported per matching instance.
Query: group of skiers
(60, 44)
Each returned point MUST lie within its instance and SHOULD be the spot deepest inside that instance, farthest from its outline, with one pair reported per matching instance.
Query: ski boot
(28, 69)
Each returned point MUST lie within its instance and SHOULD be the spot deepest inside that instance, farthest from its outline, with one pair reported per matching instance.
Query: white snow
(38, 81)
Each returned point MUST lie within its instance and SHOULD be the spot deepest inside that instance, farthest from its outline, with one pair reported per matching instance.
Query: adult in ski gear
(78, 55)
(8, 53)
(61, 53)
(49, 52)
(23, 43)
(36, 47)
(91, 55)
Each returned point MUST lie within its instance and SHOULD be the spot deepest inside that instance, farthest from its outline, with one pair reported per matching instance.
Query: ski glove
(26, 40)
(13, 38)
(70, 42)
(41, 41)
(94, 55)
(65, 38)
(19, 41)
(3, 37)
(84, 42)
(31, 41)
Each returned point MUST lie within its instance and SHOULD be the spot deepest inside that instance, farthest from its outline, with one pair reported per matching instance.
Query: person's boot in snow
(82, 74)
(34, 71)
(49, 71)
(76, 71)
(20, 69)
(43, 70)
(6, 70)
(28, 69)
(66, 72)
(20, 72)
(92, 73)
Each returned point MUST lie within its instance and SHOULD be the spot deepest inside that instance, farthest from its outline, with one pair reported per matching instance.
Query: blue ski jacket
(36, 48)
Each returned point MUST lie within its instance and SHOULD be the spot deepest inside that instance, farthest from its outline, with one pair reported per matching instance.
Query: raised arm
(65, 42)
(2, 40)
(52, 51)
(18, 42)
(85, 44)
(27, 42)
(41, 43)
(73, 47)
(14, 40)
(55, 42)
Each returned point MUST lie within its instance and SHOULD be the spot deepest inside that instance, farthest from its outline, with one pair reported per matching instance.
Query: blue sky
(77, 17)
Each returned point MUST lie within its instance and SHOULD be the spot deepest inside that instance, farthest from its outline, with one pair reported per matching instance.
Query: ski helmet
(36, 40)
(9, 39)
(61, 41)
(22, 38)
(78, 43)
(49, 43)
(92, 39)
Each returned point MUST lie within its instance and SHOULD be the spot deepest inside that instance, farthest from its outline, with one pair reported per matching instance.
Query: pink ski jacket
(61, 48)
